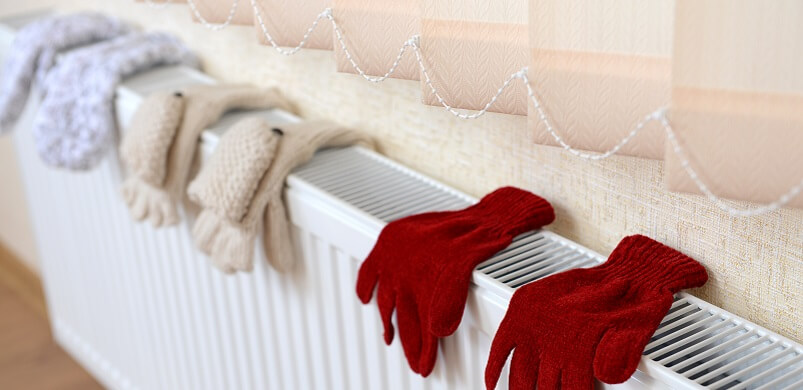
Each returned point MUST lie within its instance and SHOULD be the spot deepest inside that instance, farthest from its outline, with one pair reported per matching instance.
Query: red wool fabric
(422, 266)
(569, 328)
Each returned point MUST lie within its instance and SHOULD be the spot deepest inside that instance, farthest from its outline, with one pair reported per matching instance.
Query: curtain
(217, 11)
(728, 70)
(470, 48)
(599, 67)
(287, 21)
(161, 2)
(737, 97)
(374, 31)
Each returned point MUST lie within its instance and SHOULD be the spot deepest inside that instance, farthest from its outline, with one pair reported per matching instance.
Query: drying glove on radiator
(159, 147)
(422, 266)
(242, 186)
(569, 328)
(34, 51)
(225, 188)
(76, 123)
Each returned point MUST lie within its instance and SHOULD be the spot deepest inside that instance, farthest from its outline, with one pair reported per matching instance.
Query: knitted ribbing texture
(34, 49)
(569, 328)
(225, 188)
(227, 235)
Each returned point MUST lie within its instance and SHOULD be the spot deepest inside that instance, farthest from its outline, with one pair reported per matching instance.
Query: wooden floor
(29, 358)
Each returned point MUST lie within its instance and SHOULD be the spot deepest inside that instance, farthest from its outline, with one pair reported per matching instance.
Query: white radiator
(140, 308)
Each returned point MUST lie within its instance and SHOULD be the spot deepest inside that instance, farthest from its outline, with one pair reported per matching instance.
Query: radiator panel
(140, 308)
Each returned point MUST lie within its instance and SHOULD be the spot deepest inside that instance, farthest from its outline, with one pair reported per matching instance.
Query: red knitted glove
(571, 327)
(423, 265)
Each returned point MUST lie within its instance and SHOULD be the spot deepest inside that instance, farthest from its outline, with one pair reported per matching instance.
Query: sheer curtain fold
(217, 11)
(471, 47)
(729, 71)
(158, 2)
(287, 21)
(599, 68)
(737, 98)
(374, 32)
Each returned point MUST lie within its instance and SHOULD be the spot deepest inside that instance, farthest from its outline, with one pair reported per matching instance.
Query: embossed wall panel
(598, 69)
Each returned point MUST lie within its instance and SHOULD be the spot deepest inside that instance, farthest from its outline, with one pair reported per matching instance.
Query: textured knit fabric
(34, 50)
(225, 188)
(228, 181)
(227, 231)
(147, 142)
(422, 266)
(159, 158)
(569, 328)
(76, 124)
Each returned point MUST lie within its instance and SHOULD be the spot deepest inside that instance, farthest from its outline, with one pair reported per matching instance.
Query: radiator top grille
(384, 191)
(718, 350)
(705, 345)
(533, 256)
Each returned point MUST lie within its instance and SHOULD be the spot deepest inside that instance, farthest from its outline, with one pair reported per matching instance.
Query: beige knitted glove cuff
(144, 151)
(225, 189)
(229, 245)
(160, 160)
(226, 233)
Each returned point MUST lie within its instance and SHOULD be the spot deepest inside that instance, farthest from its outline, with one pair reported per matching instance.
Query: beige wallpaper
(756, 264)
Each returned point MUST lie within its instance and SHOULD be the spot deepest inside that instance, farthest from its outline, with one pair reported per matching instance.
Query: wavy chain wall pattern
(413, 44)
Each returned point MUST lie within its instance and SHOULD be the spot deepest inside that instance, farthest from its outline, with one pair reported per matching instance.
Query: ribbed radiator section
(142, 309)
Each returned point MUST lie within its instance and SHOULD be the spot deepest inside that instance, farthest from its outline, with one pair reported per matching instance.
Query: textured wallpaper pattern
(755, 264)
(476, 45)
(601, 68)
(288, 20)
(217, 11)
(374, 30)
(743, 94)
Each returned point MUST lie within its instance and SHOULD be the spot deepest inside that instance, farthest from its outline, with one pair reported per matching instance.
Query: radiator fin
(706, 345)
(142, 309)
(384, 191)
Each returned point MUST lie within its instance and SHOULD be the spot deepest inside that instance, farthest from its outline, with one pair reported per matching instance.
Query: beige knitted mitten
(203, 106)
(229, 242)
(145, 147)
(225, 189)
